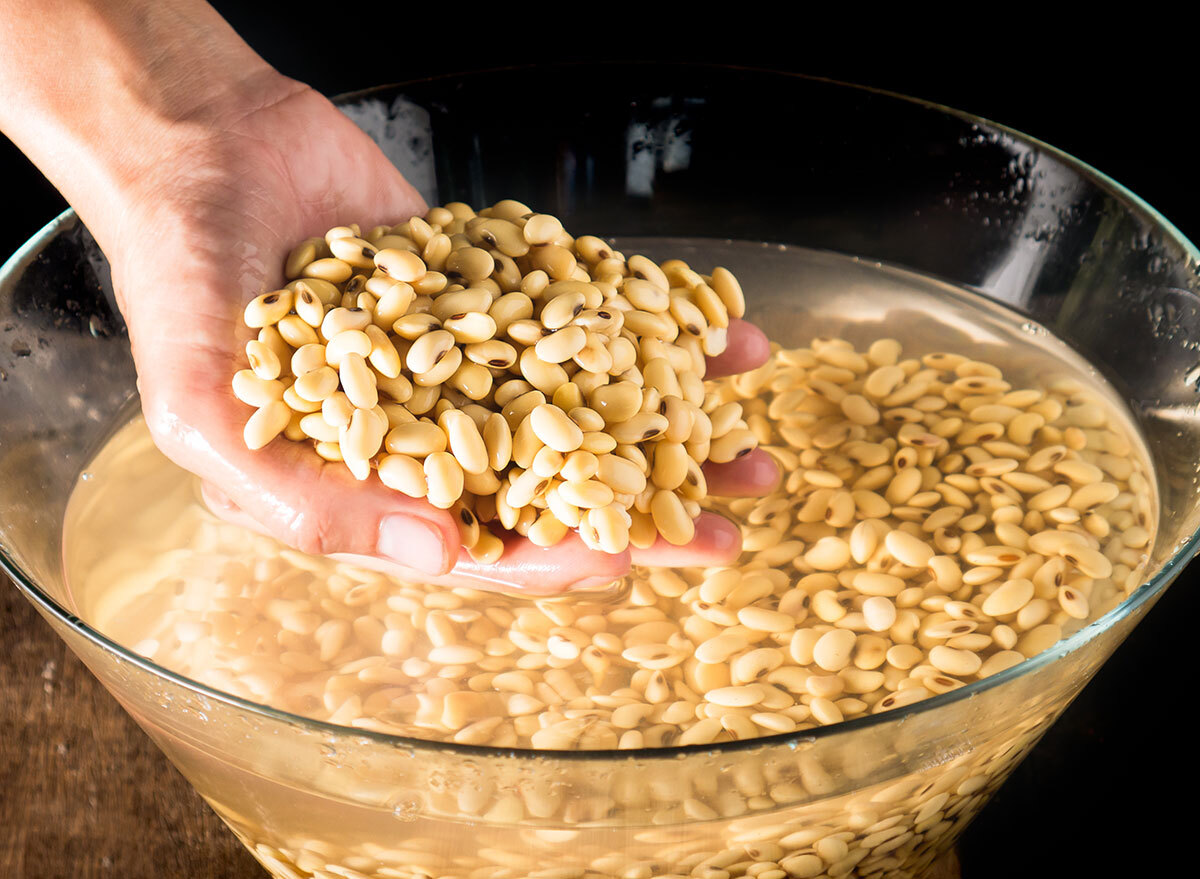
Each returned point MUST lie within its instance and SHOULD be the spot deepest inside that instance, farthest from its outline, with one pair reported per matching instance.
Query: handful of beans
(494, 365)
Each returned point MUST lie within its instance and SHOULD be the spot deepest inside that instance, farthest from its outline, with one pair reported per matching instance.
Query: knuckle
(313, 531)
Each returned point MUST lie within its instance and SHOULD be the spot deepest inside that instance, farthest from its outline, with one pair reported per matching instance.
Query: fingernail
(414, 543)
(722, 536)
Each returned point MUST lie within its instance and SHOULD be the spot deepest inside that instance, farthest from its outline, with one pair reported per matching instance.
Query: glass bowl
(728, 156)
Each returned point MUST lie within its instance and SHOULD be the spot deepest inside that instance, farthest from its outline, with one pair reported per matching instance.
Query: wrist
(157, 79)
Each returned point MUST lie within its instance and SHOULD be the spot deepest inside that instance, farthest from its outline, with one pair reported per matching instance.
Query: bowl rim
(1143, 595)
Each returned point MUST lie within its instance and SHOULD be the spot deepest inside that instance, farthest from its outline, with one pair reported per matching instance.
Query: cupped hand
(208, 231)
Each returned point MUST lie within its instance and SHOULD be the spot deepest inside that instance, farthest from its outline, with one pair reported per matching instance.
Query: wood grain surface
(83, 792)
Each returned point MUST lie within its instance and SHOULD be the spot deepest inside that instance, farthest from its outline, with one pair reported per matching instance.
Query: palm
(211, 234)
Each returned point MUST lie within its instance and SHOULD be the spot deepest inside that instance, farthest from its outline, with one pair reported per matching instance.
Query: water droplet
(86, 475)
(406, 808)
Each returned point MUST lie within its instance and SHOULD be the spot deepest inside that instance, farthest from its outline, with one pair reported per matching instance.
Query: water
(151, 568)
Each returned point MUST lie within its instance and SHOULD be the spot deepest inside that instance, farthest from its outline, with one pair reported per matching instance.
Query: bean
(1009, 598)
(620, 475)
(470, 328)
(358, 381)
(617, 402)
(546, 377)
(670, 518)
(429, 350)
(363, 436)
(266, 423)
(639, 428)
(547, 530)
(726, 286)
(497, 439)
(736, 697)
(859, 409)
(268, 308)
(465, 441)
(444, 477)
(417, 439)
(541, 229)
(353, 251)
(955, 662)
(554, 428)
(342, 320)
(404, 474)
(732, 445)
(828, 554)
(907, 549)
(264, 362)
(316, 385)
(834, 649)
(588, 494)
(670, 465)
(1091, 562)
(763, 620)
(254, 390)
(880, 613)
(413, 326)
(612, 528)
(561, 345)
(401, 265)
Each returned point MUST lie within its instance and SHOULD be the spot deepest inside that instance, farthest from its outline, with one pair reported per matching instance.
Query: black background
(1107, 791)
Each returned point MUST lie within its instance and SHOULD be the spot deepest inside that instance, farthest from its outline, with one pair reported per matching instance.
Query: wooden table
(83, 792)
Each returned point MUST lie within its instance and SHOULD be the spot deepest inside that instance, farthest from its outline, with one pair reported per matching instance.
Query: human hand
(570, 564)
(286, 170)
(205, 233)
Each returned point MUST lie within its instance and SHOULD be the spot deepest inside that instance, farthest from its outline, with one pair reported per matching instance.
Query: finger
(717, 542)
(747, 348)
(568, 566)
(755, 474)
(524, 567)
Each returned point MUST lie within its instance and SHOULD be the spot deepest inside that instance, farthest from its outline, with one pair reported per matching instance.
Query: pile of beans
(937, 525)
(499, 367)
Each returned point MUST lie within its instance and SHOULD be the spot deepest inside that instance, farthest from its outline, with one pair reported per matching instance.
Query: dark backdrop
(1087, 802)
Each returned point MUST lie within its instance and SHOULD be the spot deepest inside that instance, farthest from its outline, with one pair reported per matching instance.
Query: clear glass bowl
(695, 152)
